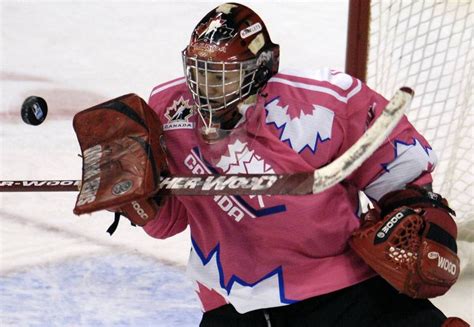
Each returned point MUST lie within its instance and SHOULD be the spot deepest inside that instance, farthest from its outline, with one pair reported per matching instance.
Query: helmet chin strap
(209, 132)
(212, 128)
(208, 128)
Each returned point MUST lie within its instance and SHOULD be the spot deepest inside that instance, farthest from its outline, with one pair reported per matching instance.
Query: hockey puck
(34, 110)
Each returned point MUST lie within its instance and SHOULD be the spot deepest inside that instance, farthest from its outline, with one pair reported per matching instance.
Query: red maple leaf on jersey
(180, 110)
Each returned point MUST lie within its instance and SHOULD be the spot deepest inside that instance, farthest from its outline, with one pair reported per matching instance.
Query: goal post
(427, 46)
(357, 38)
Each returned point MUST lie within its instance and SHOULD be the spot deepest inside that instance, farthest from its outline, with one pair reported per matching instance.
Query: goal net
(426, 45)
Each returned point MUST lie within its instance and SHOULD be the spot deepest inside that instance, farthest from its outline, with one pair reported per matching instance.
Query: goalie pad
(122, 159)
(410, 240)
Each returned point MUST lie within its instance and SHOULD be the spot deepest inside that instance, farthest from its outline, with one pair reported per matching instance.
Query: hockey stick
(40, 186)
(266, 184)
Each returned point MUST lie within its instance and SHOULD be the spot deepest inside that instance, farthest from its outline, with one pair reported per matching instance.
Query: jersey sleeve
(172, 217)
(170, 220)
(405, 156)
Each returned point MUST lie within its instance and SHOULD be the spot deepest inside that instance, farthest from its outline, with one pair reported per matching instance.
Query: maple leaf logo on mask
(216, 31)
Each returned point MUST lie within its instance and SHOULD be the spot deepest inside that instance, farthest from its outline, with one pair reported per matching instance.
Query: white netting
(427, 45)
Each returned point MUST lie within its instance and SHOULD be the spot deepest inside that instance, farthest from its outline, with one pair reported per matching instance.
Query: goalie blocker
(409, 239)
(122, 158)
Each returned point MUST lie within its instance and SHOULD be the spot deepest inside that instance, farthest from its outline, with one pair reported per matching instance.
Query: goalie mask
(229, 58)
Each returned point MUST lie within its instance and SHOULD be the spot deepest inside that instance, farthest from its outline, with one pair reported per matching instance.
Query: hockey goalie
(279, 260)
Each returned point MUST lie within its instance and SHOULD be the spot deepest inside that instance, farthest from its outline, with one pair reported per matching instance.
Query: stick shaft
(40, 186)
(267, 184)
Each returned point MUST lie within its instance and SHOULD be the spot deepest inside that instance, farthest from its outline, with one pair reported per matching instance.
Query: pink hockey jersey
(266, 251)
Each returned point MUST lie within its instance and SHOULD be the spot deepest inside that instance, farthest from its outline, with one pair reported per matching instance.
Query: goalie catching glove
(122, 158)
(409, 239)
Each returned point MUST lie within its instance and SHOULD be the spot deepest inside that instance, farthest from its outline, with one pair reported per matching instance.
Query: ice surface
(102, 289)
(57, 269)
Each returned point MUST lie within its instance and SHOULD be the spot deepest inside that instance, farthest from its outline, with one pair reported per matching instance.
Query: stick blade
(360, 151)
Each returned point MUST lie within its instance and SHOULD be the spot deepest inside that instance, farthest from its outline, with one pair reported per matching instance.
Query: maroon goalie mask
(230, 57)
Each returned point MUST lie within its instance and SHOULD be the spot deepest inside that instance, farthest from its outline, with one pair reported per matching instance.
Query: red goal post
(428, 46)
(357, 38)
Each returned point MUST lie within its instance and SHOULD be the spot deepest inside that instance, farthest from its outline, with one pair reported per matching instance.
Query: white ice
(57, 269)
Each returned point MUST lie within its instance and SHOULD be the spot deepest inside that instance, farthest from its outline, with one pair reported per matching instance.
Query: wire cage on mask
(219, 85)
